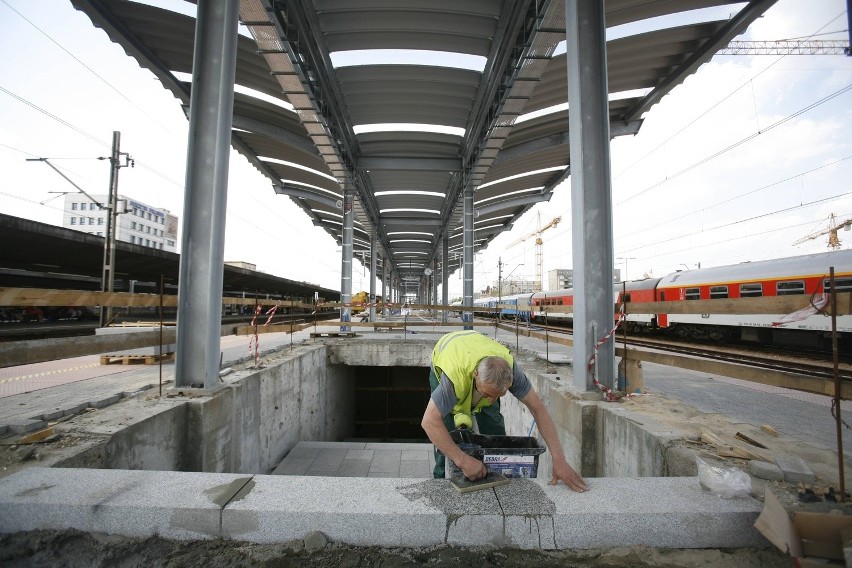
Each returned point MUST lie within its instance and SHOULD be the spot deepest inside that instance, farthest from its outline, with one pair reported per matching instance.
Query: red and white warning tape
(605, 390)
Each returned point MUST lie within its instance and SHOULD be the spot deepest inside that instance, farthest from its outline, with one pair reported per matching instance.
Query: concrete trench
(198, 467)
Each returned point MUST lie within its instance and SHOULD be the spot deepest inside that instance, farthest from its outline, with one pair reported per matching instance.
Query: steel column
(445, 275)
(467, 242)
(373, 278)
(384, 287)
(591, 195)
(211, 107)
(346, 257)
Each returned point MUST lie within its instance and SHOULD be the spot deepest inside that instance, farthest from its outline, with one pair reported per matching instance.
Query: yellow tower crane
(831, 231)
(539, 245)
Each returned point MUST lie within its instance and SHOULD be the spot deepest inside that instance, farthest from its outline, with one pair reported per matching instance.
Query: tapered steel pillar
(445, 275)
(346, 257)
(384, 287)
(467, 244)
(373, 278)
(591, 192)
(199, 318)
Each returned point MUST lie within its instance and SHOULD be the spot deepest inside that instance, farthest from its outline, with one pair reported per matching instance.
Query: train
(798, 275)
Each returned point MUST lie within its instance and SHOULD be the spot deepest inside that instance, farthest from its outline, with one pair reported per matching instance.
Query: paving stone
(354, 468)
(75, 409)
(23, 425)
(105, 401)
(795, 469)
(765, 470)
(175, 505)
(50, 415)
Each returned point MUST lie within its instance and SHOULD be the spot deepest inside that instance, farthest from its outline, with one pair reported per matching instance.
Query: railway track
(815, 364)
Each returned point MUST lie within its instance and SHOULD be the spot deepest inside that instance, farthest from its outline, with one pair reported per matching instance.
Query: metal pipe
(835, 406)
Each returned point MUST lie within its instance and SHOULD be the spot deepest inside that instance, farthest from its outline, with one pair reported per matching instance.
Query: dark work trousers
(488, 420)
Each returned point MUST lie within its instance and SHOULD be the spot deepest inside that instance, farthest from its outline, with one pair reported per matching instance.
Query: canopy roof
(492, 63)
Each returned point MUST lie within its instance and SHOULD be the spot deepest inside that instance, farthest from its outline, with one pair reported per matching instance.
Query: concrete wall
(251, 425)
(308, 393)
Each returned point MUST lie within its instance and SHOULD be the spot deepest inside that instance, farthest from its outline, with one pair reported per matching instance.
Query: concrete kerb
(528, 514)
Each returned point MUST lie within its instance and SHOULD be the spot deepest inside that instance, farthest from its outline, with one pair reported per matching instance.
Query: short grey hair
(496, 372)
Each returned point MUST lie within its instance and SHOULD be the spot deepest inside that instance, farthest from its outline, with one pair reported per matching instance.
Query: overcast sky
(745, 157)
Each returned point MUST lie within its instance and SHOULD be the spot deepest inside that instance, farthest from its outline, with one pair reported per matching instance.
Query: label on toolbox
(511, 465)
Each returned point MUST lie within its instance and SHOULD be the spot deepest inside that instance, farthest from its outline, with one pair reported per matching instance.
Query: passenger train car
(801, 275)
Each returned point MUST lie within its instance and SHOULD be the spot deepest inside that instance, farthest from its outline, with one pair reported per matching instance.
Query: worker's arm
(561, 469)
(433, 424)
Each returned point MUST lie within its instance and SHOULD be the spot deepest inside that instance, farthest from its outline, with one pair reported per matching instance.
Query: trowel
(464, 485)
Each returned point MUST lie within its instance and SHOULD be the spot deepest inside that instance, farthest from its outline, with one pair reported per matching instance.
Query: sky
(747, 156)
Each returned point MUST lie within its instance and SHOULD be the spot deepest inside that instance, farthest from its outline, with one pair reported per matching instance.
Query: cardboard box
(812, 539)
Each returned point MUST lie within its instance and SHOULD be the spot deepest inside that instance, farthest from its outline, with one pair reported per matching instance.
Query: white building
(138, 223)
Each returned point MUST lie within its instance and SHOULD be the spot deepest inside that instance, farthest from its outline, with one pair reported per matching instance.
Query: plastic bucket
(512, 456)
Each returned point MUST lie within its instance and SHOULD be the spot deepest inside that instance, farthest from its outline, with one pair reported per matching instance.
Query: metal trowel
(464, 485)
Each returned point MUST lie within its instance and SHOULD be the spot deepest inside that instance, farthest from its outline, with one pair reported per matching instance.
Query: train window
(662, 296)
(842, 284)
(560, 301)
(751, 290)
(790, 288)
(718, 292)
(692, 293)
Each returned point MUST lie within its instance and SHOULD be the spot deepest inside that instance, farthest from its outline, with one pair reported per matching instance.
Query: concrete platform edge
(393, 512)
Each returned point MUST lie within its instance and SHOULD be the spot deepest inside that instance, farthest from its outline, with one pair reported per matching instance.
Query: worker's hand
(563, 471)
(472, 468)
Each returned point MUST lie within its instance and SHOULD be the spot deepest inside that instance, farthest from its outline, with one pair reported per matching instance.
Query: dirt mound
(73, 549)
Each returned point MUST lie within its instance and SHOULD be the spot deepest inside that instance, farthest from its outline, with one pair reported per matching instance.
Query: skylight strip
(247, 91)
(435, 211)
(412, 192)
(620, 95)
(408, 127)
(423, 57)
(297, 166)
(525, 174)
(505, 195)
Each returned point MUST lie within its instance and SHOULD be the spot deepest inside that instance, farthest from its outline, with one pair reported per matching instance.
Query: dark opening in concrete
(389, 402)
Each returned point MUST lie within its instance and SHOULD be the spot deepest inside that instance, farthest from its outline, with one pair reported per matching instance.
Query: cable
(723, 99)
(92, 71)
(732, 223)
(739, 143)
(718, 203)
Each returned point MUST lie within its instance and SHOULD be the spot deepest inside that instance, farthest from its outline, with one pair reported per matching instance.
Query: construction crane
(831, 231)
(786, 47)
(539, 245)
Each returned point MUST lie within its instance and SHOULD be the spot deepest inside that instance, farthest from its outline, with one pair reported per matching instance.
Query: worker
(468, 375)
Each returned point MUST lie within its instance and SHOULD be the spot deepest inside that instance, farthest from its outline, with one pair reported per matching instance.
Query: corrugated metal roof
(289, 59)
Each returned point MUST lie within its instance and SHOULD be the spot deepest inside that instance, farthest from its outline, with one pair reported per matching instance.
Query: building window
(91, 206)
(790, 288)
(149, 216)
(148, 229)
(170, 243)
(74, 206)
(718, 292)
(100, 234)
(751, 290)
(132, 239)
(133, 224)
(692, 293)
(73, 220)
(100, 220)
(91, 220)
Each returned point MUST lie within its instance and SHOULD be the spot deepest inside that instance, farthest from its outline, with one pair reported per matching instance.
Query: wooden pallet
(135, 359)
(334, 334)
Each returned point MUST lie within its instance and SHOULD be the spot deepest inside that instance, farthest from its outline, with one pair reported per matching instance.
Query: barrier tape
(605, 390)
(270, 312)
(254, 338)
(817, 303)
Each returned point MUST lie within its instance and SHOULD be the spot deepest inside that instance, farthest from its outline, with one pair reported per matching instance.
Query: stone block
(765, 470)
(364, 512)
(795, 469)
(24, 425)
(174, 505)
(104, 401)
(671, 512)
(50, 415)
